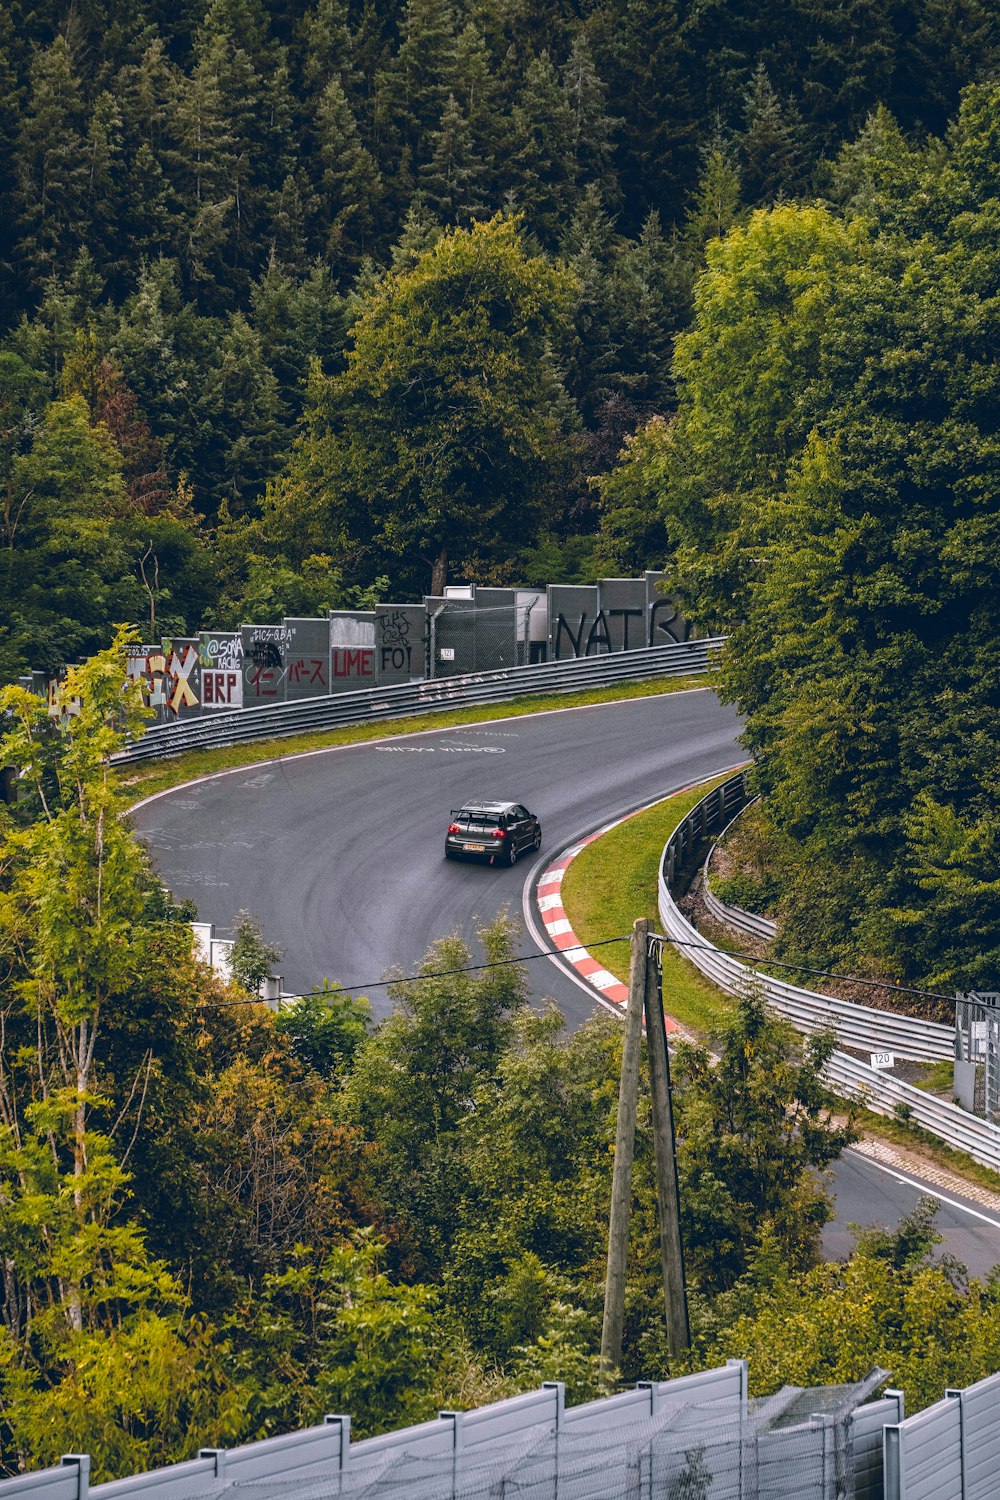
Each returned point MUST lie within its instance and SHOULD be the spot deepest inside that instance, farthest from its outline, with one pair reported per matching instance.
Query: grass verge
(159, 775)
(614, 881)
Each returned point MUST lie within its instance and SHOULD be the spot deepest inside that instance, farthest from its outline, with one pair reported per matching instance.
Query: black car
(491, 830)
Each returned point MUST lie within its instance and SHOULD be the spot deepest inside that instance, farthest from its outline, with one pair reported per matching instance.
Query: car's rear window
(480, 819)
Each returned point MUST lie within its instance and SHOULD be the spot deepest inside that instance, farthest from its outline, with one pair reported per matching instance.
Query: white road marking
(545, 713)
(928, 1189)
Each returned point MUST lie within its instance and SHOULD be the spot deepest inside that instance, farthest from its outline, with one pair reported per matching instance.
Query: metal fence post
(334, 1419)
(893, 1459)
(81, 1462)
(219, 1454)
(955, 1394)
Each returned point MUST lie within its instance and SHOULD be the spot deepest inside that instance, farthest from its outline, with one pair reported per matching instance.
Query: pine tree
(412, 91)
(327, 46)
(543, 167)
(349, 185)
(716, 201)
(52, 165)
(452, 179)
(593, 127)
(770, 148)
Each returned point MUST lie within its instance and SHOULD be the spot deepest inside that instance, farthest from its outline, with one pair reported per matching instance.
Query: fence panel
(867, 1434)
(923, 1455)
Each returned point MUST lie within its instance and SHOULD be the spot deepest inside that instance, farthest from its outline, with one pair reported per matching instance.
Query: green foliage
(889, 1305)
(438, 441)
(252, 957)
(339, 1336)
(324, 1030)
(825, 491)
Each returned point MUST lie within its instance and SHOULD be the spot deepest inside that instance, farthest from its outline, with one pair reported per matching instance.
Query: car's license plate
(476, 848)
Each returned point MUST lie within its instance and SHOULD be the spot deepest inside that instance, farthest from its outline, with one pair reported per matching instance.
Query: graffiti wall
(471, 628)
(170, 677)
(306, 652)
(220, 655)
(399, 642)
(352, 651)
(264, 663)
(615, 614)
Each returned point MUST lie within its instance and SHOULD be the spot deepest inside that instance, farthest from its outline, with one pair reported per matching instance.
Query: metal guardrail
(884, 1094)
(734, 916)
(857, 1026)
(435, 695)
(860, 1026)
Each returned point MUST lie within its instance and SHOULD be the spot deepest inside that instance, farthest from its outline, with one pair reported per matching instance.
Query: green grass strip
(614, 880)
(148, 777)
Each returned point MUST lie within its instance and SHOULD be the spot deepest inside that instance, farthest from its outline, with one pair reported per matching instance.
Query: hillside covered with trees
(200, 204)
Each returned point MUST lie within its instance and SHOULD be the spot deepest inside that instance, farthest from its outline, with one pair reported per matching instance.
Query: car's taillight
(454, 828)
(499, 833)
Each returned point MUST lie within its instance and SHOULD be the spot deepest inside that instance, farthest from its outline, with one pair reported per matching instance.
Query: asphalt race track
(340, 854)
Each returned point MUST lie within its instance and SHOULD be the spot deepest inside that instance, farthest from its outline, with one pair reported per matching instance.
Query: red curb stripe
(585, 964)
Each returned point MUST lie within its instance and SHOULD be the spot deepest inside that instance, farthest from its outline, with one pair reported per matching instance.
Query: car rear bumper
(474, 848)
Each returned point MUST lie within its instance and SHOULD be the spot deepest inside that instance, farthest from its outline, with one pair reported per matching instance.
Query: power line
(754, 962)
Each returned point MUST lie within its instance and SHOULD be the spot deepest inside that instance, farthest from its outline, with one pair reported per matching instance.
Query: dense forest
(218, 1223)
(829, 487)
(226, 390)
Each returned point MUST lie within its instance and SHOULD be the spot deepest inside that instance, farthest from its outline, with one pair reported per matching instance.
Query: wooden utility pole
(671, 1250)
(621, 1184)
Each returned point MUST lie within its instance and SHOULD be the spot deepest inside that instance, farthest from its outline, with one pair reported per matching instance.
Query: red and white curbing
(548, 900)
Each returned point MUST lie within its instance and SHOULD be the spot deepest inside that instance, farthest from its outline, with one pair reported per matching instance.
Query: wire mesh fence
(795, 1445)
(465, 638)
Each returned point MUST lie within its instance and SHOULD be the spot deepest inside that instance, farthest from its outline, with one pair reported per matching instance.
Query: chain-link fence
(795, 1445)
(464, 638)
(977, 1046)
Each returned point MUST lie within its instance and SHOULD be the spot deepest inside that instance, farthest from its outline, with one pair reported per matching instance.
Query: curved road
(339, 853)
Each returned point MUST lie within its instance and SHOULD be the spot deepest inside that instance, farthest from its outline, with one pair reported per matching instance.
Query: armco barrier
(734, 916)
(858, 1026)
(884, 1094)
(433, 696)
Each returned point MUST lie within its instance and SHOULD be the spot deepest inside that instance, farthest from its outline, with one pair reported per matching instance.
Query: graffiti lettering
(625, 615)
(598, 633)
(664, 617)
(262, 683)
(223, 652)
(395, 628)
(265, 654)
(165, 675)
(307, 671)
(179, 672)
(353, 663)
(397, 658)
(575, 640)
(221, 689)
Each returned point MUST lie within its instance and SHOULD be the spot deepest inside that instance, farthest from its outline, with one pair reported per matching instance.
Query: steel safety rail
(859, 1026)
(434, 695)
(885, 1094)
(734, 916)
(856, 1026)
